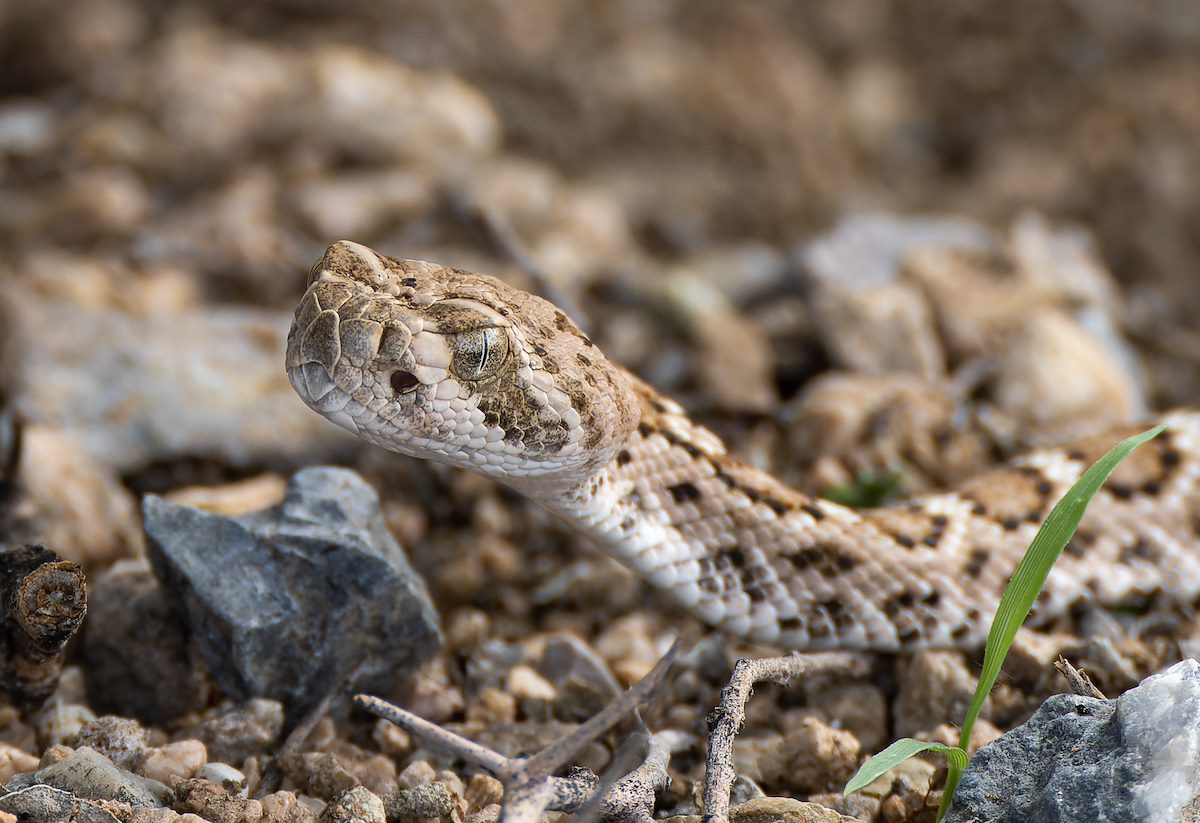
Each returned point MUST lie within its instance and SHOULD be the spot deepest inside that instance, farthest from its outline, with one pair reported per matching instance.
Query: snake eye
(479, 353)
(403, 381)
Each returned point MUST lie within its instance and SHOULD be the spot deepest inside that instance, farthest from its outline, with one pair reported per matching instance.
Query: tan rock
(181, 758)
(812, 756)
(15, 761)
(784, 810)
(527, 684)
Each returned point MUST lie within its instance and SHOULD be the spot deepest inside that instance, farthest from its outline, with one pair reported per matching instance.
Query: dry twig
(1077, 680)
(502, 235)
(725, 721)
(529, 785)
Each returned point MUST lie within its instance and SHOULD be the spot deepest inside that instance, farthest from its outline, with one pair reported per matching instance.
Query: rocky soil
(864, 242)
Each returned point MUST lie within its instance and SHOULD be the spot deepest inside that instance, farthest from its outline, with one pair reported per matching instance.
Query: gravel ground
(862, 241)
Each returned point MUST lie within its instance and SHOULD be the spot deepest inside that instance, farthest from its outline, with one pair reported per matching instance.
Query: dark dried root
(43, 600)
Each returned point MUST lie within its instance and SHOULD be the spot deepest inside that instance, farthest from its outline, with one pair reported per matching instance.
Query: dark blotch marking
(976, 562)
(411, 282)
(623, 457)
(905, 541)
(583, 361)
(834, 608)
(813, 511)
(1120, 491)
(684, 493)
(735, 556)
(522, 422)
(1140, 550)
(825, 559)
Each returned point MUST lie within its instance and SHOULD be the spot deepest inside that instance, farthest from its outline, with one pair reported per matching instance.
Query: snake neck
(699, 524)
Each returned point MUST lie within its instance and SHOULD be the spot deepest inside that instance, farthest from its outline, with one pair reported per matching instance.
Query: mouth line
(316, 386)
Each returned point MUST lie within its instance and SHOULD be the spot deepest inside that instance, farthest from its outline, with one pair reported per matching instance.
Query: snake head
(454, 367)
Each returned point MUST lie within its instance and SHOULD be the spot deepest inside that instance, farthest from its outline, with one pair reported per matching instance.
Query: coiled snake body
(462, 369)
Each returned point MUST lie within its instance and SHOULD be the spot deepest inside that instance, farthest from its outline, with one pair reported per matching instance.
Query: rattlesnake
(463, 369)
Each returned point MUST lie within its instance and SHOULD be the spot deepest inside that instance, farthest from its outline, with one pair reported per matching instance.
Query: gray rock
(293, 601)
(1133, 759)
(46, 804)
(584, 682)
(241, 731)
(87, 774)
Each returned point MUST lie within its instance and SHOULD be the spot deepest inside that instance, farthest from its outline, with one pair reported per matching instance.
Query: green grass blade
(896, 754)
(1030, 576)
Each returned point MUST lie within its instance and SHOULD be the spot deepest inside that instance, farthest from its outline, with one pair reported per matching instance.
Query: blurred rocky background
(879, 246)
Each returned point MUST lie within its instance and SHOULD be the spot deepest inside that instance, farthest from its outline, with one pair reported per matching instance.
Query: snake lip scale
(460, 368)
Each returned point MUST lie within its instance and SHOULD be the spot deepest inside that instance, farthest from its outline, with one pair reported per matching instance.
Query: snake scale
(463, 369)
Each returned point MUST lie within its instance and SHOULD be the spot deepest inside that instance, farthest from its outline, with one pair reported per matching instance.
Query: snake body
(463, 369)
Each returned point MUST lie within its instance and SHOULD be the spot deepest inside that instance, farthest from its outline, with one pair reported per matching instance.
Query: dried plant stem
(529, 785)
(725, 721)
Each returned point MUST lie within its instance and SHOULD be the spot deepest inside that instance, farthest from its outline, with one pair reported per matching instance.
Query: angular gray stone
(293, 601)
(89, 775)
(1135, 759)
(46, 804)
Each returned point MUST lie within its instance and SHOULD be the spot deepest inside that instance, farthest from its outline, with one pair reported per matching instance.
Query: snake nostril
(403, 381)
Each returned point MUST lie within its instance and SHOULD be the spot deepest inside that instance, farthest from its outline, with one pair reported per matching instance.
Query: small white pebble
(225, 775)
(62, 722)
(526, 684)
